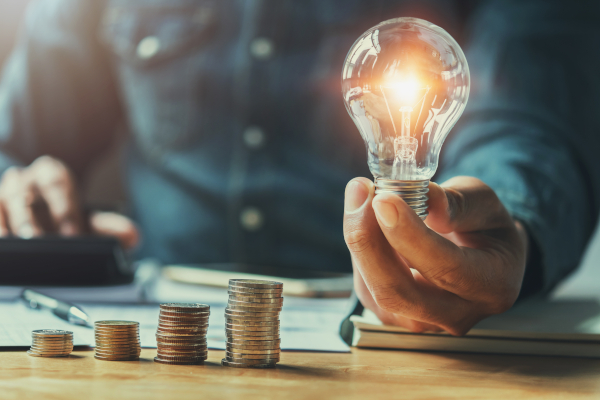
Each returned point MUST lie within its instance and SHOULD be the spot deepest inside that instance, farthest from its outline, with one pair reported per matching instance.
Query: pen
(63, 310)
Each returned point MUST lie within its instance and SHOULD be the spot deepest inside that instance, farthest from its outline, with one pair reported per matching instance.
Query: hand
(43, 198)
(464, 263)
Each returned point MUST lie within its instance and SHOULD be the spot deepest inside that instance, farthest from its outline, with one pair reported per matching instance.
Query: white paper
(306, 324)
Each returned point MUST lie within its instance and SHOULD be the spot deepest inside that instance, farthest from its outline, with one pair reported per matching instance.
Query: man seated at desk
(239, 146)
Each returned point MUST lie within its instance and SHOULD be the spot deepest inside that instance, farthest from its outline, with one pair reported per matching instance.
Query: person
(240, 147)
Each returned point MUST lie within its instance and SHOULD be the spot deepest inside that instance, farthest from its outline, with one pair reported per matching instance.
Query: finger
(4, 230)
(388, 318)
(57, 187)
(18, 198)
(465, 204)
(463, 271)
(115, 225)
(386, 276)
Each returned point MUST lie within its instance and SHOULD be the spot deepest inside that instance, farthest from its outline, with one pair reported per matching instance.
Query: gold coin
(239, 357)
(158, 360)
(247, 351)
(226, 363)
(234, 313)
(245, 342)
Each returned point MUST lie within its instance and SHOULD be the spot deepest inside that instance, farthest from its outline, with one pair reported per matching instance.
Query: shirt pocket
(161, 52)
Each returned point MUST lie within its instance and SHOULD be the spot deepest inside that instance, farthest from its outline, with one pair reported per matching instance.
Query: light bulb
(405, 83)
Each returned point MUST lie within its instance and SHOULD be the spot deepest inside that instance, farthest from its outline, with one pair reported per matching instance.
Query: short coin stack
(117, 340)
(181, 334)
(51, 343)
(252, 323)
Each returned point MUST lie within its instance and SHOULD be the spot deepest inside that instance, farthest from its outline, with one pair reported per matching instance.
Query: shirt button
(261, 48)
(251, 219)
(148, 47)
(254, 137)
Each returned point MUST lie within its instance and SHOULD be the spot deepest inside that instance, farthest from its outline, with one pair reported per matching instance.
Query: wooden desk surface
(363, 374)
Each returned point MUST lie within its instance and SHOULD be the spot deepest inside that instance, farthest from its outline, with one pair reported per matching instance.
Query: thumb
(464, 204)
(115, 225)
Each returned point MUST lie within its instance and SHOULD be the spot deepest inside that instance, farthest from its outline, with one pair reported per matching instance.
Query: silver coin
(233, 356)
(51, 333)
(259, 311)
(269, 295)
(240, 327)
(256, 283)
(261, 300)
(232, 332)
(194, 307)
(233, 337)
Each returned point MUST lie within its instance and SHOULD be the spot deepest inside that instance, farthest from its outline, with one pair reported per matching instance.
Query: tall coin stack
(117, 340)
(252, 323)
(181, 334)
(51, 343)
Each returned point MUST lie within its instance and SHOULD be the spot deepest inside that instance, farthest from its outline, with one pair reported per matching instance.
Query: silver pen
(63, 310)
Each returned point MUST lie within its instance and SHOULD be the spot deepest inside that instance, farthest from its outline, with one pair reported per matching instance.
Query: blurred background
(104, 190)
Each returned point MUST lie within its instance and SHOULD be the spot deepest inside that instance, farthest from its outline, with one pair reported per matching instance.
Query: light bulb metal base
(414, 193)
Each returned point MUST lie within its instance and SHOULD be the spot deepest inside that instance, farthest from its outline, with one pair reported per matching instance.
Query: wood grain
(363, 374)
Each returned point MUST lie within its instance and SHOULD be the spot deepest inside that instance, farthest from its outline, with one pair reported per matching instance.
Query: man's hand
(43, 198)
(464, 263)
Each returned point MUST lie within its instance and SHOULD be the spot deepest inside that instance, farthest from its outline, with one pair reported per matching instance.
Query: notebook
(536, 327)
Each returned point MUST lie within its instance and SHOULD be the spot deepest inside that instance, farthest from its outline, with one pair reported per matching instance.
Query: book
(535, 327)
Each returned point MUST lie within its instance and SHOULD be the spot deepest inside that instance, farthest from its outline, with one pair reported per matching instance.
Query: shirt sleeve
(528, 130)
(57, 95)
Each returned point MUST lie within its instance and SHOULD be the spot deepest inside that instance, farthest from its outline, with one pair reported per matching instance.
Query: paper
(306, 324)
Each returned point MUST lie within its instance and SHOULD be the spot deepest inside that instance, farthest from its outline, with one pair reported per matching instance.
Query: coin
(197, 362)
(251, 322)
(256, 295)
(232, 313)
(268, 293)
(226, 363)
(237, 332)
(253, 328)
(185, 307)
(267, 306)
(266, 353)
(116, 323)
(51, 343)
(262, 300)
(51, 333)
(239, 357)
(255, 283)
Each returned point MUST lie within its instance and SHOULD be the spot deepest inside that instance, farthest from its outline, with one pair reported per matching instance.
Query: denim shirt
(239, 146)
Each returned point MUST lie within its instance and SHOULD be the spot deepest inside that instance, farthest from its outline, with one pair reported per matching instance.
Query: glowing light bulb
(405, 83)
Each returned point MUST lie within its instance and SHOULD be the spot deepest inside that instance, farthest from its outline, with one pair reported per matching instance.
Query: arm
(527, 136)
(58, 106)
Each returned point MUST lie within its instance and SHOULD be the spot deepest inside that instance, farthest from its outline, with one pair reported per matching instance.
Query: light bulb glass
(405, 83)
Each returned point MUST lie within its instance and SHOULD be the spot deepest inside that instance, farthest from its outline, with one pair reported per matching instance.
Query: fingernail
(26, 231)
(386, 213)
(356, 195)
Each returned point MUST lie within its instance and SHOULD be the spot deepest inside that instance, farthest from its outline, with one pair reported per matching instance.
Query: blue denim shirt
(240, 147)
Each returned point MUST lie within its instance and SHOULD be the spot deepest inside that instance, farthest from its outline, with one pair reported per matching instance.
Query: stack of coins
(51, 343)
(181, 334)
(252, 323)
(117, 340)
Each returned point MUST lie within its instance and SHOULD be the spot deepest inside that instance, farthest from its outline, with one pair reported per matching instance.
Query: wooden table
(363, 374)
